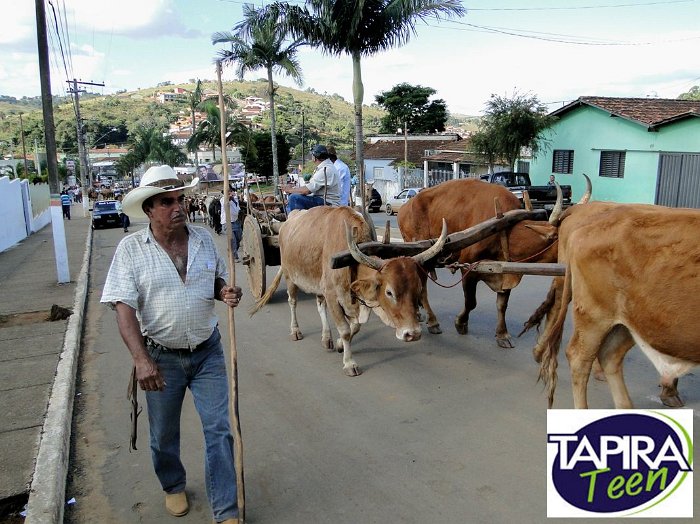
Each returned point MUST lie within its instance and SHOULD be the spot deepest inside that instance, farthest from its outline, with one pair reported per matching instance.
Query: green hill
(112, 118)
(327, 118)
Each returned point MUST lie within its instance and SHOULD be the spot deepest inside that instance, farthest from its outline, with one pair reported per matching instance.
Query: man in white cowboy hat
(322, 189)
(162, 283)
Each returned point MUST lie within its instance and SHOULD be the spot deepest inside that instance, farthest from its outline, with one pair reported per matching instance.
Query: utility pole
(36, 157)
(59, 232)
(82, 152)
(302, 139)
(24, 148)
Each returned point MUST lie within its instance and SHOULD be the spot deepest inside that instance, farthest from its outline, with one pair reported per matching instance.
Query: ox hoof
(435, 330)
(462, 329)
(505, 343)
(327, 344)
(296, 335)
(352, 370)
(672, 401)
(599, 376)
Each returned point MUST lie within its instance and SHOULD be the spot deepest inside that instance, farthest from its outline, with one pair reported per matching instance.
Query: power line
(58, 36)
(570, 8)
(64, 25)
(548, 37)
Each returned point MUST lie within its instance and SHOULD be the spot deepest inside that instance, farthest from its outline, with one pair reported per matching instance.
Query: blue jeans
(296, 201)
(236, 237)
(204, 372)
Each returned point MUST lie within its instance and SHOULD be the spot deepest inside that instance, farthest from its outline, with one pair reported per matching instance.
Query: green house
(643, 150)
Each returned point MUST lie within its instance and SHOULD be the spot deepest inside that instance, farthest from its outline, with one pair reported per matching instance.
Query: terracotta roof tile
(648, 111)
(394, 149)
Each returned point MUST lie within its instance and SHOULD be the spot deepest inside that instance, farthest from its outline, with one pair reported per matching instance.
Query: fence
(24, 209)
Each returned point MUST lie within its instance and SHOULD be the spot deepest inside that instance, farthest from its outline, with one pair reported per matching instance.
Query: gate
(678, 180)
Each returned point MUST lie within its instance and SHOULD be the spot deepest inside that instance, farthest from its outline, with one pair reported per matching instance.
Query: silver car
(394, 204)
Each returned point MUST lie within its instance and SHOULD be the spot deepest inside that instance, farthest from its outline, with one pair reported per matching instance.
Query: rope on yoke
(453, 267)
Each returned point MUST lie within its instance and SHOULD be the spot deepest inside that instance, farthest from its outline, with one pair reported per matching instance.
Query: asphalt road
(448, 429)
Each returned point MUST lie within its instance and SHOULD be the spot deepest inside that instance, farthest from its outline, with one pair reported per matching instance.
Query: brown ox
(572, 219)
(391, 288)
(465, 203)
(633, 278)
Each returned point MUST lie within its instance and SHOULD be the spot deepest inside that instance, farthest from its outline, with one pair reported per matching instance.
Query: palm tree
(209, 130)
(358, 29)
(149, 145)
(260, 43)
(194, 100)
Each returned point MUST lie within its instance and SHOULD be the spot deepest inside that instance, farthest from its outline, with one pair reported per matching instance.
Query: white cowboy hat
(155, 181)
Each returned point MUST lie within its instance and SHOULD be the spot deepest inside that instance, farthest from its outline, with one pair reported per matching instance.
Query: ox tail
(542, 310)
(551, 342)
(268, 294)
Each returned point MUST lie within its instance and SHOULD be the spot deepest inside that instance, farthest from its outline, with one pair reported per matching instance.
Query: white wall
(16, 215)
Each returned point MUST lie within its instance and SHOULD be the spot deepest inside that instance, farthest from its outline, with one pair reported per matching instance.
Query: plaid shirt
(172, 313)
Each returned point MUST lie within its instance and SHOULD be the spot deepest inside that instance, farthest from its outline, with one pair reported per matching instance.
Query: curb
(48, 488)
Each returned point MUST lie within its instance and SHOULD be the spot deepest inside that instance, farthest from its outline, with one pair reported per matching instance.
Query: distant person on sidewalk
(162, 283)
(236, 224)
(66, 201)
(123, 216)
(322, 189)
(344, 174)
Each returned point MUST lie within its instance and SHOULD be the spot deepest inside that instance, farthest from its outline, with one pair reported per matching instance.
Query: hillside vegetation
(113, 118)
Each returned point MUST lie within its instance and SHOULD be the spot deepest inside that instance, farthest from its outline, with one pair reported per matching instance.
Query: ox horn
(358, 255)
(422, 258)
(589, 189)
(556, 212)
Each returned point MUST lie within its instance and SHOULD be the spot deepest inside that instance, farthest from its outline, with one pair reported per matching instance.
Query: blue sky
(557, 50)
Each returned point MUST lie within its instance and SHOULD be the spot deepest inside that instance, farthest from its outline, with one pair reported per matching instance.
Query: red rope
(470, 267)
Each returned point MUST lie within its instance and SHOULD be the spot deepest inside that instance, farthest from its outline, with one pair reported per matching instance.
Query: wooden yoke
(455, 241)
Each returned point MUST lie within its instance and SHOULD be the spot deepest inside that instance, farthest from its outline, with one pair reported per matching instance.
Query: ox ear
(546, 231)
(365, 288)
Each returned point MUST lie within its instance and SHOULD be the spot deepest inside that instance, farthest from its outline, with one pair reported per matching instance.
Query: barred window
(563, 161)
(612, 164)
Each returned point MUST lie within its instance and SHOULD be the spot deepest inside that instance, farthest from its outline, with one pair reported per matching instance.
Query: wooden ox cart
(263, 220)
(260, 242)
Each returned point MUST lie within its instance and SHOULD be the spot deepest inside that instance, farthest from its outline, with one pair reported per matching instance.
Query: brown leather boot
(176, 504)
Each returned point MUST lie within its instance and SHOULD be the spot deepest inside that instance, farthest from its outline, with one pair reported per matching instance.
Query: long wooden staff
(233, 397)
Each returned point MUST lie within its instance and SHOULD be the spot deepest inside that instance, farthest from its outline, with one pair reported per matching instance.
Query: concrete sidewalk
(32, 348)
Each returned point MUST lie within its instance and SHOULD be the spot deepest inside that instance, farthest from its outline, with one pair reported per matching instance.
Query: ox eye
(389, 293)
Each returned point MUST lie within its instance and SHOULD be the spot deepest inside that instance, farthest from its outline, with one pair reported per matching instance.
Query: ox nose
(409, 335)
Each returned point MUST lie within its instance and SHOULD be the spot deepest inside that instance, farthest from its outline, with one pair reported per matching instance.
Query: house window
(563, 161)
(612, 164)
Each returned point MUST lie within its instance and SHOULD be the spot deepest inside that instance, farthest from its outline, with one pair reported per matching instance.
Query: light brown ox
(572, 219)
(633, 276)
(465, 203)
(391, 288)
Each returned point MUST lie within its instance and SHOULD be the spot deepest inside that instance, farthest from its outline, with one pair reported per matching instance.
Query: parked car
(394, 204)
(104, 214)
(541, 197)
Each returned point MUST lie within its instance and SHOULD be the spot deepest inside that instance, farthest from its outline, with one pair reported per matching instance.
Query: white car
(393, 204)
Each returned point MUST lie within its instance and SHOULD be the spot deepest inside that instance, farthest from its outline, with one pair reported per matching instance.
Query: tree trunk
(273, 135)
(358, 93)
(196, 159)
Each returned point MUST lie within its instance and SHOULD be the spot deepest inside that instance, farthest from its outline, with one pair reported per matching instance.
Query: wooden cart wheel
(254, 256)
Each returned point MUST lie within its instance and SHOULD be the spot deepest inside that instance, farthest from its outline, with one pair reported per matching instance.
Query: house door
(678, 182)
